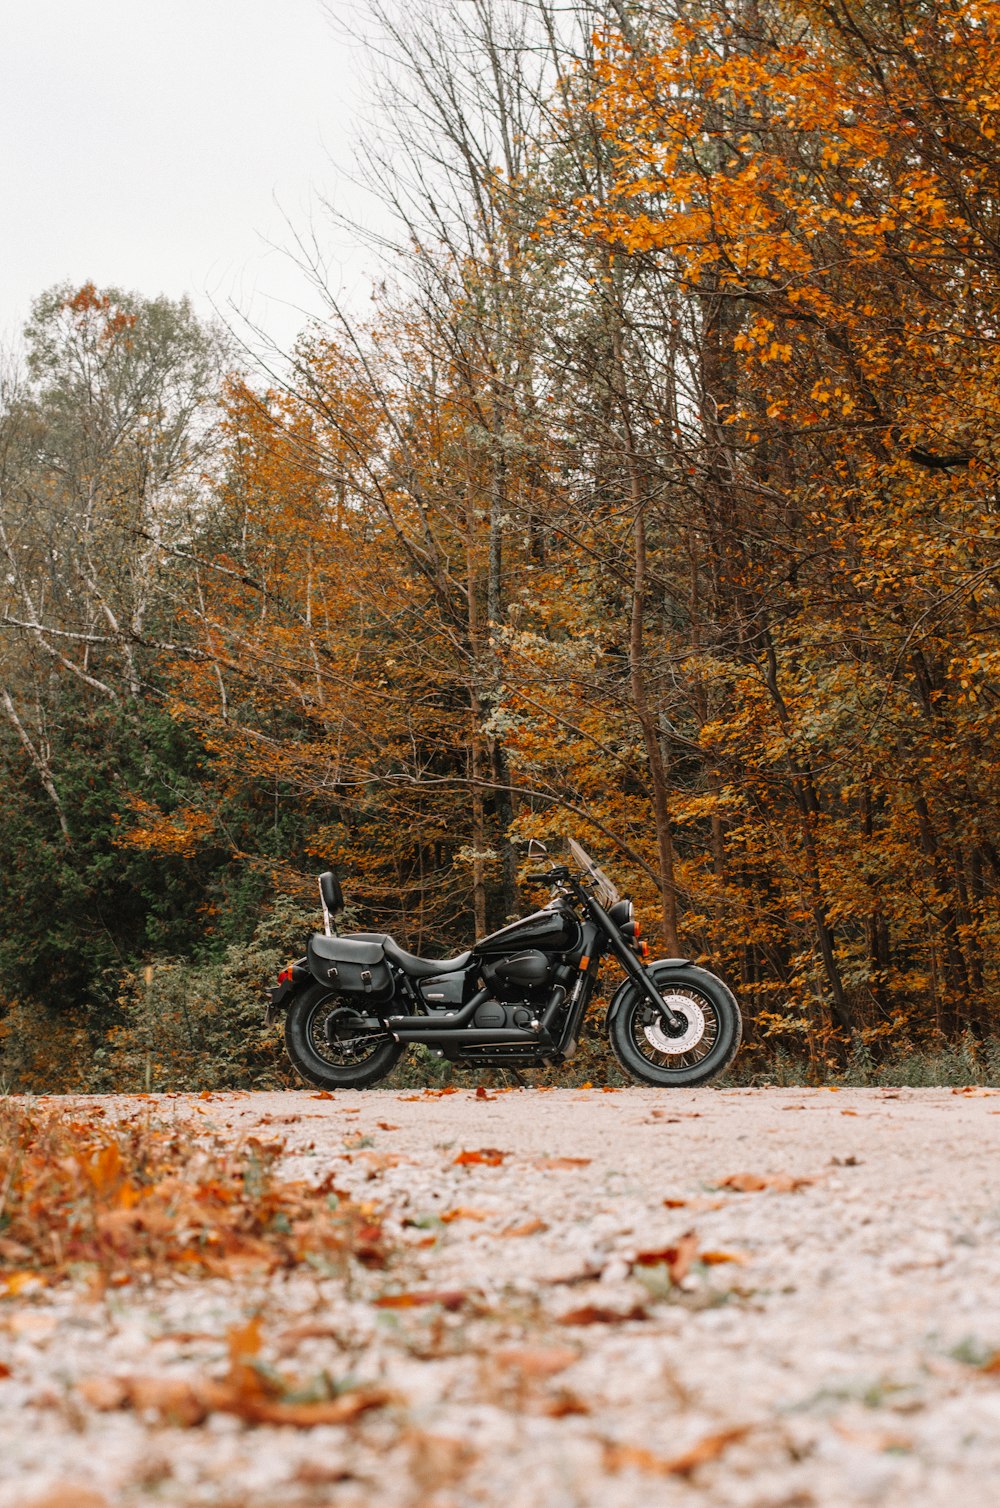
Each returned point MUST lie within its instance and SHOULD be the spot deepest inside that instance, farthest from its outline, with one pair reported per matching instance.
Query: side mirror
(332, 900)
(537, 852)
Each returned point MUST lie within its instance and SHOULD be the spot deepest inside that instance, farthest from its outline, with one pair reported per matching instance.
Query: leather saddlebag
(354, 968)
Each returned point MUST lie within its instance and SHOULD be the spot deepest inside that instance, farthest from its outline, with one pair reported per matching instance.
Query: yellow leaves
(179, 833)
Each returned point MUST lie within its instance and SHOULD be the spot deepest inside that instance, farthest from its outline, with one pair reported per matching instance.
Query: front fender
(661, 970)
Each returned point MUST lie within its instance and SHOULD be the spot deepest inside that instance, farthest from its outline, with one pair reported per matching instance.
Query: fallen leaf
(564, 1403)
(187, 1403)
(696, 1205)
(848, 1112)
(324, 1094)
(482, 1095)
(461, 1213)
(5, 1370)
(448, 1299)
(716, 1258)
(21, 1282)
(307, 1415)
(244, 1341)
(676, 1259)
(529, 1228)
(491, 1157)
(754, 1183)
(321, 1473)
(387, 1126)
(637, 1458)
(595, 1314)
(562, 1162)
(536, 1361)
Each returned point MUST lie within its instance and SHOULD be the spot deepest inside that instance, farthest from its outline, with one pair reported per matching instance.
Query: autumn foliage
(657, 503)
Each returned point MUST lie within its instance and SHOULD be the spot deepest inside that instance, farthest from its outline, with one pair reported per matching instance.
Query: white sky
(157, 145)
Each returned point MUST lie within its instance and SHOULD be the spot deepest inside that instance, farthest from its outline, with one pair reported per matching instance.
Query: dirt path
(615, 1322)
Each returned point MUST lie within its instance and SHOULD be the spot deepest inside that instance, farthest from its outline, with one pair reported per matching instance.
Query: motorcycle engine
(493, 1015)
(520, 983)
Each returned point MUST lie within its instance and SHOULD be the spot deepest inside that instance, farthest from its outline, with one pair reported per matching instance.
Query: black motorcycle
(515, 1000)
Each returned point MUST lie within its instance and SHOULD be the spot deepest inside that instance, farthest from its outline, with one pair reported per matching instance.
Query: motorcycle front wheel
(703, 1045)
(322, 1049)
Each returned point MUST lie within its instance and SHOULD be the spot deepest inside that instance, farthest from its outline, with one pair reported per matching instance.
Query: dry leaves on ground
(677, 1259)
(637, 1458)
(448, 1299)
(597, 1314)
(116, 1201)
(255, 1394)
(490, 1157)
(755, 1183)
(532, 1227)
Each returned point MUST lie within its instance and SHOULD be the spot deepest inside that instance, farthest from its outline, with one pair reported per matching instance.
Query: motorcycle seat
(423, 968)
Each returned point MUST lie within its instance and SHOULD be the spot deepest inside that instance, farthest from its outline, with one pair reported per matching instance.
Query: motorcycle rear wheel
(349, 1063)
(714, 1030)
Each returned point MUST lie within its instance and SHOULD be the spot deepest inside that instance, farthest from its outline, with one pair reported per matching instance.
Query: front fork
(633, 968)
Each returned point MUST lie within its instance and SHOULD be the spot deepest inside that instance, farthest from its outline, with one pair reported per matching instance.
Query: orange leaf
(637, 1458)
(595, 1314)
(492, 1157)
(754, 1183)
(564, 1403)
(448, 1299)
(676, 1259)
(536, 1361)
(529, 1228)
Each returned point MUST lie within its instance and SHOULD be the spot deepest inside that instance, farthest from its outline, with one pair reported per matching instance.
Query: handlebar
(549, 876)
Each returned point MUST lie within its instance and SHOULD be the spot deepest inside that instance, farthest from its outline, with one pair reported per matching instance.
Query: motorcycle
(517, 999)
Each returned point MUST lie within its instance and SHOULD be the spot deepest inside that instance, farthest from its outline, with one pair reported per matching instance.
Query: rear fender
(661, 969)
(279, 995)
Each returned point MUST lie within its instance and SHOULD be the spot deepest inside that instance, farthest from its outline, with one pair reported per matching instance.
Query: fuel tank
(553, 930)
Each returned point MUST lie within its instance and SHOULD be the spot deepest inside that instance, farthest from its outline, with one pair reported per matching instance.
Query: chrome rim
(688, 1046)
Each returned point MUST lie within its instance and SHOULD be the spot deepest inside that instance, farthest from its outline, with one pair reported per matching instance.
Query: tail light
(287, 975)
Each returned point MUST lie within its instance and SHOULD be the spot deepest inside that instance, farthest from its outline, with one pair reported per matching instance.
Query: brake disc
(690, 1037)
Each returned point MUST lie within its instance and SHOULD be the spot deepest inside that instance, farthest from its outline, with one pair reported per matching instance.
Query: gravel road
(765, 1298)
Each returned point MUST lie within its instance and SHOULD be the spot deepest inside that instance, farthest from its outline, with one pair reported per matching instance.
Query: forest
(651, 497)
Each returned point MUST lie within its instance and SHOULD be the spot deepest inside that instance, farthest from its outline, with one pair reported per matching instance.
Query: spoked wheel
(327, 1051)
(705, 1041)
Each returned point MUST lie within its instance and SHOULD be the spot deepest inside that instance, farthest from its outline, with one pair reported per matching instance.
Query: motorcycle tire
(315, 1057)
(713, 1032)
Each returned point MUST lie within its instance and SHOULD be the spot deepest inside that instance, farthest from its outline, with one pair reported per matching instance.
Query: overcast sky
(157, 144)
